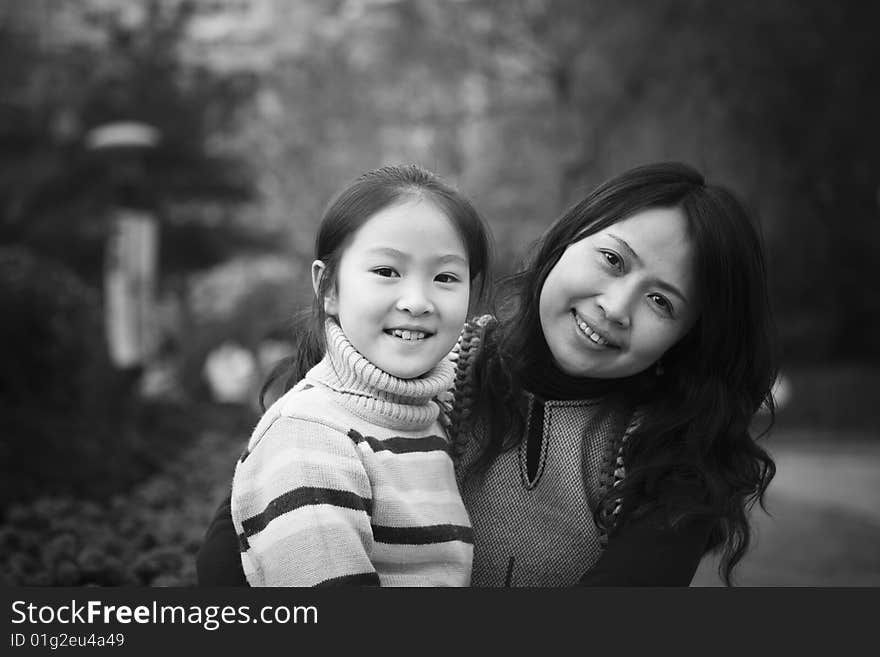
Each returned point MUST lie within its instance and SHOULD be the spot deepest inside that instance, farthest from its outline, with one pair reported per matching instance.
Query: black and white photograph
(439, 293)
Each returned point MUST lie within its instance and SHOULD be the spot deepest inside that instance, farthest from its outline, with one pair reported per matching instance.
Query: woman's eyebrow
(669, 287)
(626, 247)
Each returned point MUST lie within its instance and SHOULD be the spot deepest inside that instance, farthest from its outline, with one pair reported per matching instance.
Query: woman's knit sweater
(347, 478)
(532, 509)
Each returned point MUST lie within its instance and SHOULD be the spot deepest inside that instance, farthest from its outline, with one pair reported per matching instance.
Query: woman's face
(618, 299)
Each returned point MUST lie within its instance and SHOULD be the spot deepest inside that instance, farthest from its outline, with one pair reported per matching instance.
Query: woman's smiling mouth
(590, 332)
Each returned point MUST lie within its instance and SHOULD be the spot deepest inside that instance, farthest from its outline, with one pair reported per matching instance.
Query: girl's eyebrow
(387, 250)
(669, 287)
(395, 253)
(452, 257)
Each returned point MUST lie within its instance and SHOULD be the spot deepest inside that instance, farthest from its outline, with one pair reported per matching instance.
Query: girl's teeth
(409, 335)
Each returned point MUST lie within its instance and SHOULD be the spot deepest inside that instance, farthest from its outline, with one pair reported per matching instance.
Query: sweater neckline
(375, 395)
(545, 380)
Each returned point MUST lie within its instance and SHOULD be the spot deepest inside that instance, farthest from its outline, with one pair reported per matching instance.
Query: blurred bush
(246, 303)
(56, 384)
(71, 422)
(52, 337)
(148, 536)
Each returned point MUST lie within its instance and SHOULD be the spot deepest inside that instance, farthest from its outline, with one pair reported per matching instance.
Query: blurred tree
(777, 99)
(71, 419)
(525, 104)
(54, 194)
(809, 99)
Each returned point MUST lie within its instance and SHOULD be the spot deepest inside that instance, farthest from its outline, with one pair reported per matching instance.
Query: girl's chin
(414, 372)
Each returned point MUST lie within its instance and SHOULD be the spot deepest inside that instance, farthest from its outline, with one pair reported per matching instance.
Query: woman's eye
(662, 303)
(613, 260)
(387, 272)
(446, 278)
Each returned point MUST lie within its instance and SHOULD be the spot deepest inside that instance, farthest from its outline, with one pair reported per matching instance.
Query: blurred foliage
(247, 301)
(56, 194)
(527, 104)
(145, 536)
(70, 423)
(777, 99)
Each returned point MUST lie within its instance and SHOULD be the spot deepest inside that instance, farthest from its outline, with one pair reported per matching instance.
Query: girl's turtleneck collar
(376, 395)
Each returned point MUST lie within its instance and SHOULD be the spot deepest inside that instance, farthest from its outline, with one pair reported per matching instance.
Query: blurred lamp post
(131, 257)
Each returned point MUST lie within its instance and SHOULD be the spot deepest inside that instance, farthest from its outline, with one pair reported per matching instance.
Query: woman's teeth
(408, 335)
(590, 333)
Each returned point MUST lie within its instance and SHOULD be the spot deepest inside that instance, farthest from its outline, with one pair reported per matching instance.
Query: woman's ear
(330, 303)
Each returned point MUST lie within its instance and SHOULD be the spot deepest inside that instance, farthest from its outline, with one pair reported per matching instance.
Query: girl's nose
(414, 300)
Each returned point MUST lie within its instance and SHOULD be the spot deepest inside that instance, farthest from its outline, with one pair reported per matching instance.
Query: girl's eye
(447, 278)
(386, 272)
(662, 303)
(613, 260)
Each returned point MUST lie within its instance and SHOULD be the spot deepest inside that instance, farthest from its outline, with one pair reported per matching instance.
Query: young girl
(347, 478)
(603, 421)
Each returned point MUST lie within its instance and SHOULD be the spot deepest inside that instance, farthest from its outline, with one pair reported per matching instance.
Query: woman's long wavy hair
(693, 454)
(371, 193)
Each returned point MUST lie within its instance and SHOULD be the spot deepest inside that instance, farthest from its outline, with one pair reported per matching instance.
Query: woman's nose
(616, 302)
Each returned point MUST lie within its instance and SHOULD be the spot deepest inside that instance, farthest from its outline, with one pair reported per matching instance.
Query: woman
(628, 360)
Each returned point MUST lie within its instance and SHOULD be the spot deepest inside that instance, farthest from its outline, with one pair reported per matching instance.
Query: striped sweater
(347, 479)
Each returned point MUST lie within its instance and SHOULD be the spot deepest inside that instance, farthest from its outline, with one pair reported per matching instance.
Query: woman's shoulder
(474, 330)
(470, 342)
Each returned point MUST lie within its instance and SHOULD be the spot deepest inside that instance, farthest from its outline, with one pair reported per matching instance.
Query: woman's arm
(647, 552)
(218, 562)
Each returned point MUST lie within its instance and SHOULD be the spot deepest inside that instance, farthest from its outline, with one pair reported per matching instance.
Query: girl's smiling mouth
(408, 334)
(591, 333)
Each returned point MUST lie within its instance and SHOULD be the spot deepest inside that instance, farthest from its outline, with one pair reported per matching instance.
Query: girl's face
(403, 285)
(618, 299)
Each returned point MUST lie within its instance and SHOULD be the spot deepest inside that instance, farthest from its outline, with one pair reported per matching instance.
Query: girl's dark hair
(347, 212)
(693, 454)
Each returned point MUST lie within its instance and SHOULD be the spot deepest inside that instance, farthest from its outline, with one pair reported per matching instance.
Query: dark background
(266, 107)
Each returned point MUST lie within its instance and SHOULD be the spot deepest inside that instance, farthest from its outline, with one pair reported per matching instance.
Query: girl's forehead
(415, 225)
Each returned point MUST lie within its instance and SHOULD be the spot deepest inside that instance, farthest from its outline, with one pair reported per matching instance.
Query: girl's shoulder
(305, 405)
